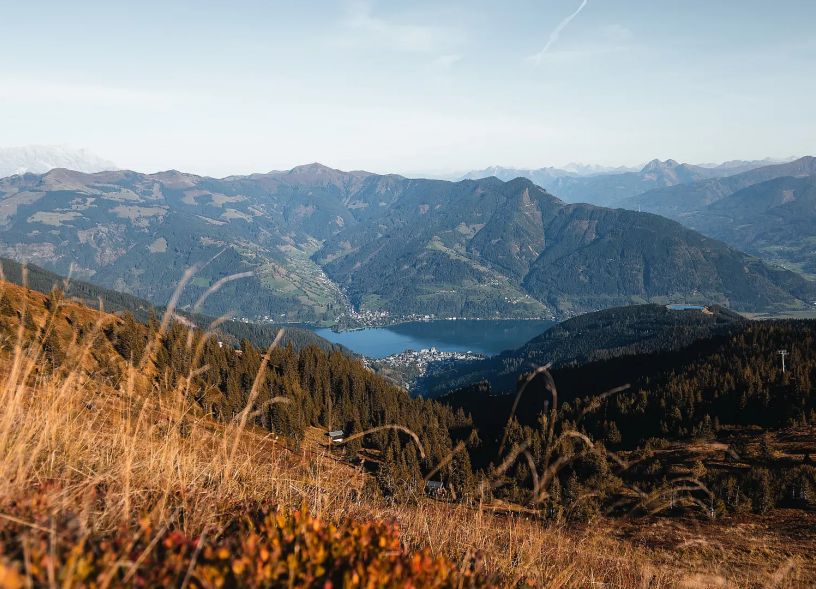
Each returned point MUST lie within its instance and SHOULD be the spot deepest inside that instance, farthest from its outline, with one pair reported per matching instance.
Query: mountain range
(775, 219)
(769, 211)
(314, 243)
(547, 175)
(680, 200)
(762, 207)
(610, 186)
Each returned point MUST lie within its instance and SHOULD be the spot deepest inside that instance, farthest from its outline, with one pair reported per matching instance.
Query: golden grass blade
(391, 426)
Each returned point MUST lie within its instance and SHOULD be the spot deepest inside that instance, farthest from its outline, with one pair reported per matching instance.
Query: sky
(423, 87)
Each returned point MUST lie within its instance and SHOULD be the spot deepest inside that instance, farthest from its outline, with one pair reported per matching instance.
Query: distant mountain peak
(38, 159)
(657, 165)
(523, 183)
(316, 170)
(596, 169)
(545, 174)
(313, 168)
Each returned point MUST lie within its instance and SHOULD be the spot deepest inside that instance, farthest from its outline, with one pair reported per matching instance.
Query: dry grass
(114, 453)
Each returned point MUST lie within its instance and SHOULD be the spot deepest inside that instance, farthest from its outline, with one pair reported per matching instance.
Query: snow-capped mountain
(579, 169)
(38, 159)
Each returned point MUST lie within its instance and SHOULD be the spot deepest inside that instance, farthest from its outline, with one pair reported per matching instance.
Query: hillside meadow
(112, 474)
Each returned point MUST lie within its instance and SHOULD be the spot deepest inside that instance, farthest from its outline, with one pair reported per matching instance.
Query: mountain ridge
(674, 201)
(317, 243)
(774, 219)
(607, 186)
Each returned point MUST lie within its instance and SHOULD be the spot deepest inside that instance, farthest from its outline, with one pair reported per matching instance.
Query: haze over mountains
(769, 211)
(545, 176)
(609, 186)
(688, 197)
(38, 159)
(317, 243)
(775, 220)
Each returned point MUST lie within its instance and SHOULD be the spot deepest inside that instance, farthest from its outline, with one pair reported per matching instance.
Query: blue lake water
(487, 337)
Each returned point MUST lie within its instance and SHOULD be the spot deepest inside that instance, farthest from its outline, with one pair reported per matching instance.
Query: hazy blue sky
(242, 86)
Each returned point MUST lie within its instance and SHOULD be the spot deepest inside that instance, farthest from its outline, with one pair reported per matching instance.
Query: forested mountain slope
(230, 332)
(768, 212)
(734, 378)
(279, 389)
(775, 220)
(718, 418)
(623, 331)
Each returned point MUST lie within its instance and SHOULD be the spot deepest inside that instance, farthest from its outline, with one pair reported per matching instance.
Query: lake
(487, 337)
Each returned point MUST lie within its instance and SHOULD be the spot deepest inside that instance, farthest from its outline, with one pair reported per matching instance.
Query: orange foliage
(268, 547)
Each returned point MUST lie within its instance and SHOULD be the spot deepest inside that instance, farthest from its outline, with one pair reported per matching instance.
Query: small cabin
(337, 436)
(434, 488)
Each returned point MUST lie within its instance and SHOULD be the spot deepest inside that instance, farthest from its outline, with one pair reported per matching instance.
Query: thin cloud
(38, 91)
(537, 58)
(595, 51)
(362, 28)
(447, 61)
(616, 33)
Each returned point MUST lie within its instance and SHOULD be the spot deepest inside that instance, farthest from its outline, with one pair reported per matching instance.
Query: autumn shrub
(268, 547)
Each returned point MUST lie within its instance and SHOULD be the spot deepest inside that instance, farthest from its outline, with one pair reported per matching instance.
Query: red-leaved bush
(265, 548)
